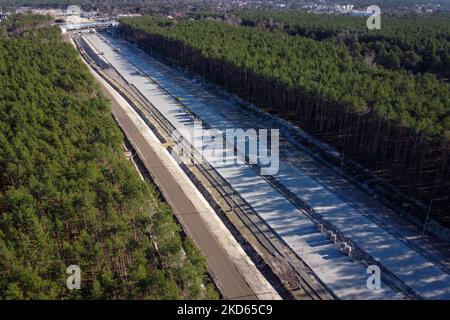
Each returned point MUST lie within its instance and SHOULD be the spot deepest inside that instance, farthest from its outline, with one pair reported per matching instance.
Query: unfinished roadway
(232, 270)
(345, 276)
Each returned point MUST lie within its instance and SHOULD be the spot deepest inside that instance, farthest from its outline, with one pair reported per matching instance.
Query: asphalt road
(232, 284)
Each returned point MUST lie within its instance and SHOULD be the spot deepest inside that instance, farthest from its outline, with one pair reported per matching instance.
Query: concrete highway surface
(233, 285)
(346, 277)
(340, 273)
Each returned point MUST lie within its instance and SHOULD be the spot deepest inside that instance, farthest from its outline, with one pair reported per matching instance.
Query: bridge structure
(88, 26)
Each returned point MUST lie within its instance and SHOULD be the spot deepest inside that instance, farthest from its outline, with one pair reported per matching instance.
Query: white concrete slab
(345, 277)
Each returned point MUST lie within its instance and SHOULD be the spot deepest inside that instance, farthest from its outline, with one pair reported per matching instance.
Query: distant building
(120, 15)
(359, 13)
(73, 10)
(3, 15)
